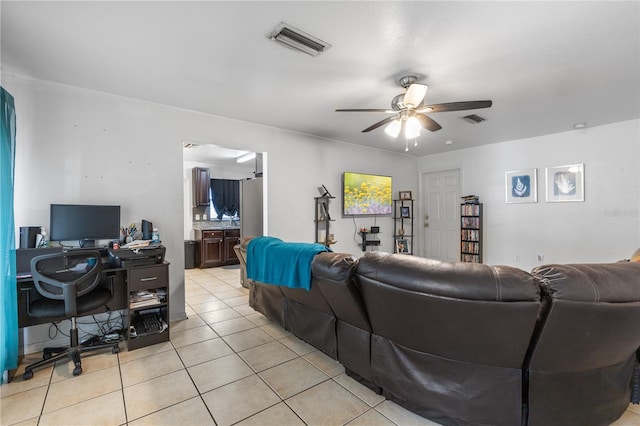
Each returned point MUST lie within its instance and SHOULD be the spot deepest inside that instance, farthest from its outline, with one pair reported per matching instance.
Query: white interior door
(441, 195)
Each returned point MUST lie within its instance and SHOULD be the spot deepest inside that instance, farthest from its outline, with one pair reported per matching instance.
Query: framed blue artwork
(565, 183)
(521, 186)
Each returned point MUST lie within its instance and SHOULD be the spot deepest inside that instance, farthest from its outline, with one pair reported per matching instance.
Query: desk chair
(68, 283)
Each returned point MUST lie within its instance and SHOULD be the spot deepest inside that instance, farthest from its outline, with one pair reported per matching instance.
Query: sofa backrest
(461, 311)
(582, 355)
(333, 274)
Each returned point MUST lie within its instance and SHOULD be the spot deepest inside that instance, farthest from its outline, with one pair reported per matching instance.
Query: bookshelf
(403, 226)
(471, 231)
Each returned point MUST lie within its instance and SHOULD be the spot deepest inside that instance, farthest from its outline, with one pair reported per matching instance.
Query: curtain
(8, 291)
(225, 195)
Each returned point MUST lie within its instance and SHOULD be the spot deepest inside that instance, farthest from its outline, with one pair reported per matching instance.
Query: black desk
(115, 277)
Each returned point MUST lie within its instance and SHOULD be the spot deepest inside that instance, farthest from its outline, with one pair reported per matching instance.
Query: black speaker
(28, 236)
(147, 230)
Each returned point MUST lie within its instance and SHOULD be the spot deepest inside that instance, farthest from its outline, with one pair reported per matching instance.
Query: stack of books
(471, 199)
(150, 297)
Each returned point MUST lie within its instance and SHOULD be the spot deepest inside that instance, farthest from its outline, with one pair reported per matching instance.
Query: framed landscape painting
(521, 186)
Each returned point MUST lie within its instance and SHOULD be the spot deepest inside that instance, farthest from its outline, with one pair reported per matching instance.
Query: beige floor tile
(200, 352)
(247, 339)
(292, 377)
(325, 363)
(231, 326)
(81, 388)
(635, 408)
(28, 422)
(106, 409)
(150, 367)
(223, 288)
(22, 406)
(40, 377)
(327, 404)
(220, 315)
(188, 311)
(628, 418)
(153, 395)
(216, 286)
(198, 299)
(230, 294)
(266, 356)
(359, 390)
(219, 372)
(237, 301)
(189, 412)
(249, 313)
(239, 400)
(127, 356)
(297, 345)
(191, 322)
(279, 414)
(194, 290)
(192, 335)
(371, 418)
(91, 361)
(402, 416)
(212, 305)
(276, 330)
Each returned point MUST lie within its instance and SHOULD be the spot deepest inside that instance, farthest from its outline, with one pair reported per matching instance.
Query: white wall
(603, 228)
(81, 146)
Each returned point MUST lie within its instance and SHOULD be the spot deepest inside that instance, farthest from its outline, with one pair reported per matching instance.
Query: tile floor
(224, 365)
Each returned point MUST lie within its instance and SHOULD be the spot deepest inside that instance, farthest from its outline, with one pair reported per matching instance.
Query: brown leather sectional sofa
(471, 344)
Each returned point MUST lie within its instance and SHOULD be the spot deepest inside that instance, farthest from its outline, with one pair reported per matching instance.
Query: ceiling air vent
(473, 119)
(295, 39)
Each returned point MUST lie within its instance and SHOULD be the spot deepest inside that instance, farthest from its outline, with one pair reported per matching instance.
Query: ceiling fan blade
(367, 110)
(428, 123)
(415, 95)
(456, 106)
(379, 123)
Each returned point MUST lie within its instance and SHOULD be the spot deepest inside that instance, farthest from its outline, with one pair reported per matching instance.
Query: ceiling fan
(410, 112)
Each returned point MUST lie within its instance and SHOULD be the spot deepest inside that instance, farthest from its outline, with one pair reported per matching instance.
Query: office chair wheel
(77, 371)
(46, 355)
(27, 375)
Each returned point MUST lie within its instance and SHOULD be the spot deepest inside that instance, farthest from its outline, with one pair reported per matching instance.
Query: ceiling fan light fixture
(298, 40)
(393, 128)
(412, 128)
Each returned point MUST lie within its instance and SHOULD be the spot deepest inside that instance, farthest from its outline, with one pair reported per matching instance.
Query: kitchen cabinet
(216, 247)
(201, 184)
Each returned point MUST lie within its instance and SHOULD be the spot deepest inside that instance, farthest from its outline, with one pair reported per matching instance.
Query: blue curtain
(8, 291)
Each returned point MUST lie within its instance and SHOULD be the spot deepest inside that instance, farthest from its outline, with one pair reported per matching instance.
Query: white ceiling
(546, 65)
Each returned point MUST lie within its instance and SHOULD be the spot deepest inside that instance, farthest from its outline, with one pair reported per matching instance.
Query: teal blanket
(272, 261)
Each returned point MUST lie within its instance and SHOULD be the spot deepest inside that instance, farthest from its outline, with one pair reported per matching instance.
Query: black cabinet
(231, 239)
(201, 184)
(148, 313)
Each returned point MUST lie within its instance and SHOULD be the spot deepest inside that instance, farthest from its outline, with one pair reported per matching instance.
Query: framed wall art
(565, 183)
(521, 186)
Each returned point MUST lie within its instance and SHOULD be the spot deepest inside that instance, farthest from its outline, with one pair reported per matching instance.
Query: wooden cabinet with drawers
(216, 247)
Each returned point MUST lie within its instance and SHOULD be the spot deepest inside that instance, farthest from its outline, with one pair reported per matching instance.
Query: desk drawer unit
(143, 278)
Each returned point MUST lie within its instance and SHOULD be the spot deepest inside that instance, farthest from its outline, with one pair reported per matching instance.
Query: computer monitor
(85, 223)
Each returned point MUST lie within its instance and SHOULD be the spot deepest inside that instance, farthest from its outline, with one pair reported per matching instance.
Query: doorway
(441, 198)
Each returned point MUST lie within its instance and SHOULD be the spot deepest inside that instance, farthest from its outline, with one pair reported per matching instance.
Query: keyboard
(149, 323)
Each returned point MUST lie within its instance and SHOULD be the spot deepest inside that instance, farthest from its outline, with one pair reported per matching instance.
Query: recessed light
(448, 142)
(580, 126)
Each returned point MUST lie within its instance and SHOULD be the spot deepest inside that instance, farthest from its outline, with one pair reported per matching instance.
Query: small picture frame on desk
(402, 245)
(405, 195)
(405, 212)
